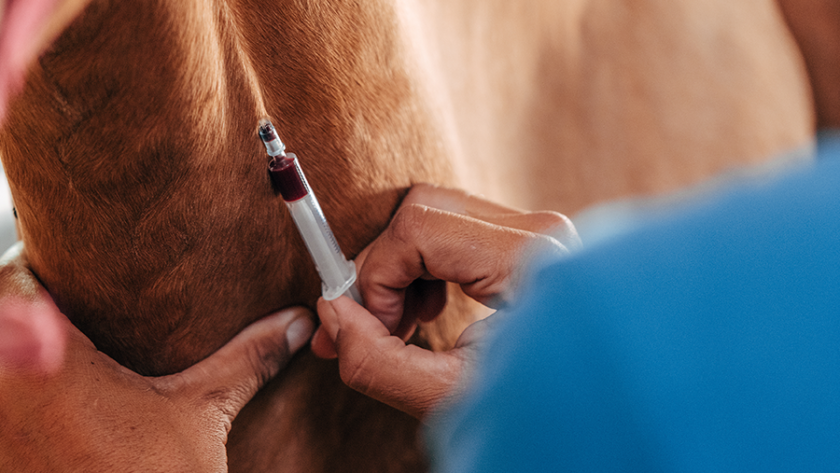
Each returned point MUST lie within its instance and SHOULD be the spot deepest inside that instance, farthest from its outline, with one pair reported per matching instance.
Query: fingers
(424, 300)
(422, 242)
(322, 345)
(457, 201)
(551, 224)
(233, 375)
(382, 366)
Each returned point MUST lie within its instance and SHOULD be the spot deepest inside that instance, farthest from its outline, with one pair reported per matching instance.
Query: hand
(436, 235)
(95, 415)
(30, 331)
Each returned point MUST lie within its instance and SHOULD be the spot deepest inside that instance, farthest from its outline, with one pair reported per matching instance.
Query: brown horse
(146, 209)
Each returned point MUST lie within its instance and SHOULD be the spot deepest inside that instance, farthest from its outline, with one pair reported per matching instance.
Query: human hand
(436, 235)
(95, 415)
(30, 331)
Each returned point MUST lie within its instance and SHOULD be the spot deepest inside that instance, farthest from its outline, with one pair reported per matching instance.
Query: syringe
(338, 276)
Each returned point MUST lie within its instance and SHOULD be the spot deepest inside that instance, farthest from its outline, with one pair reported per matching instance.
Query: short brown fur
(146, 208)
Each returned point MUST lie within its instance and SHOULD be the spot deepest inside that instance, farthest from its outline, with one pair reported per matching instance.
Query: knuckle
(171, 386)
(409, 222)
(356, 371)
(419, 193)
(550, 220)
(543, 245)
(557, 226)
(221, 404)
(438, 197)
(266, 358)
(219, 399)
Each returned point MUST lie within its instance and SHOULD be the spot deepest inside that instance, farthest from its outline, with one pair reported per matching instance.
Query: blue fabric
(709, 341)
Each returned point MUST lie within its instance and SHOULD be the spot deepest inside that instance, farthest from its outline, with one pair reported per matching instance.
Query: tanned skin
(146, 209)
(816, 27)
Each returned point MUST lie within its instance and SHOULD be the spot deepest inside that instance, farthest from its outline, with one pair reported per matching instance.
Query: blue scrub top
(707, 341)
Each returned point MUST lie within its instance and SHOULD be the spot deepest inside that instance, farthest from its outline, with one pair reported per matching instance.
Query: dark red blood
(287, 178)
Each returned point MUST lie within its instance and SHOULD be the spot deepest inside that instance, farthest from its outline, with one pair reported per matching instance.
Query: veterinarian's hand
(94, 415)
(436, 235)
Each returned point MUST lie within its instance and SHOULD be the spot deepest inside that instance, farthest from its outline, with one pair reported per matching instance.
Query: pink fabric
(20, 25)
(31, 334)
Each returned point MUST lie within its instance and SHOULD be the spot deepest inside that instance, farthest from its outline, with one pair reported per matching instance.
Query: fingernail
(298, 333)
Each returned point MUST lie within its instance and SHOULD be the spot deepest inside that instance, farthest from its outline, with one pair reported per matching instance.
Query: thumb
(234, 374)
(382, 366)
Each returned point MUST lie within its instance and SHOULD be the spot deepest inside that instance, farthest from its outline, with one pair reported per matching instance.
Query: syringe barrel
(337, 274)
